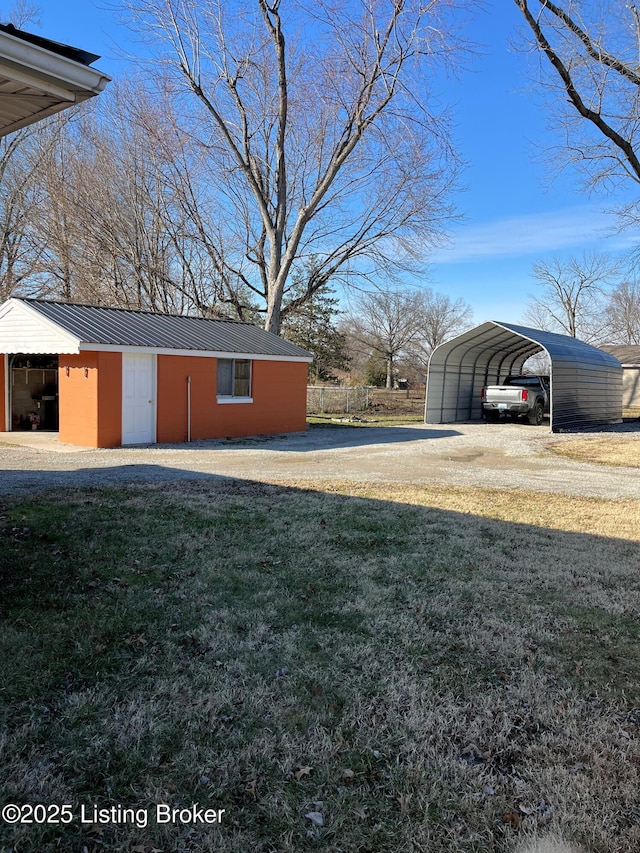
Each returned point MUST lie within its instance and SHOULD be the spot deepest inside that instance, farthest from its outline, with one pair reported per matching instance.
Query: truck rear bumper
(507, 408)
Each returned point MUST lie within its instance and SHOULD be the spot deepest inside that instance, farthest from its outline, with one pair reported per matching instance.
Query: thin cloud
(532, 234)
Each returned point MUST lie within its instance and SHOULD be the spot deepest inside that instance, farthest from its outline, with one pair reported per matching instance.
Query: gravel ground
(509, 456)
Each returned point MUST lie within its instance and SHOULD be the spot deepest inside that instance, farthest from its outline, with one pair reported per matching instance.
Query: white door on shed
(138, 398)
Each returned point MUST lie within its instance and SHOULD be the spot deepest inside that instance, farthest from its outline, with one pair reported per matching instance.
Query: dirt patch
(397, 402)
(484, 456)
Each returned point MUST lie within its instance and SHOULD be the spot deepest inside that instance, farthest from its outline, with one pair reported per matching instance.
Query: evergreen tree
(310, 323)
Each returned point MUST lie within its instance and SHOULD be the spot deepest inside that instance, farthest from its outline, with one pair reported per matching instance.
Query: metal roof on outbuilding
(627, 354)
(94, 327)
(586, 382)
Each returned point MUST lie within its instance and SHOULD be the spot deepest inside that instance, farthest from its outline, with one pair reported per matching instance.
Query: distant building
(629, 358)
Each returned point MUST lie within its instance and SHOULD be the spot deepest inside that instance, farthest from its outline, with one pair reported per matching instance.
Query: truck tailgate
(503, 394)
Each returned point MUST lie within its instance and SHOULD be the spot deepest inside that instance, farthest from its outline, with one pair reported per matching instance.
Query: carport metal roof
(586, 383)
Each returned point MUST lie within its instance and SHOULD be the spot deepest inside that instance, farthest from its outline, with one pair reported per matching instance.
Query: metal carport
(586, 383)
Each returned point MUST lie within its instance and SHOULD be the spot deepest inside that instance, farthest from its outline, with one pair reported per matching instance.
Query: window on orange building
(234, 379)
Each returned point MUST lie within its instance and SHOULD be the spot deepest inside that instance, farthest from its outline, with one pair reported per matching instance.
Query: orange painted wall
(173, 371)
(90, 399)
(3, 395)
(109, 399)
(279, 392)
(279, 395)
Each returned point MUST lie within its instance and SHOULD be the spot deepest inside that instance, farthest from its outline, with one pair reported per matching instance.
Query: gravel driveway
(502, 456)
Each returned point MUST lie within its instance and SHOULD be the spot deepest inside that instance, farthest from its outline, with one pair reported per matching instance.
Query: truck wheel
(492, 416)
(537, 414)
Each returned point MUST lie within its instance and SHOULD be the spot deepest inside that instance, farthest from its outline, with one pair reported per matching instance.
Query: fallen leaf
(302, 771)
(403, 801)
(512, 819)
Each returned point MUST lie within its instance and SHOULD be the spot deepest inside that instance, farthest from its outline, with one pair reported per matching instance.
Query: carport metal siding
(586, 382)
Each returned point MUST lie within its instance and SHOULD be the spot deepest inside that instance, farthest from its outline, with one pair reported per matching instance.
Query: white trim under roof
(89, 347)
(46, 82)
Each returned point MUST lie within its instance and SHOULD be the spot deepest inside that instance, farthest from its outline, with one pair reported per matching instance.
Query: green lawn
(342, 669)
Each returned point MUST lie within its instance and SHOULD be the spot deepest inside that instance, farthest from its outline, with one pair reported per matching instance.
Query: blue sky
(512, 213)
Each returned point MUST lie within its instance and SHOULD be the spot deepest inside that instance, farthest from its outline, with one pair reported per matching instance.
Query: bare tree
(623, 314)
(319, 137)
(405, 323)
(20, 161)
(22, 13)
(592, 50)
(572, 295)
(114, 229)
(440, 318)
(21, 245)
(385, 323)
(209, 281)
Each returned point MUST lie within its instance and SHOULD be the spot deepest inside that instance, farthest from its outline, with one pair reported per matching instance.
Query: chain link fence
(337, 400)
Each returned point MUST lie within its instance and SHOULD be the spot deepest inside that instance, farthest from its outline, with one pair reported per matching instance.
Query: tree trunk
(389, 372)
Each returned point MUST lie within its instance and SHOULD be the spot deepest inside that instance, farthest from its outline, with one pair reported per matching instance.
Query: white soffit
(150, 350)
(23, 330)
(36, 82)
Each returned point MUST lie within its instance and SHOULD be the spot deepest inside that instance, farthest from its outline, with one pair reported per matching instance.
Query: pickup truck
(519, 396)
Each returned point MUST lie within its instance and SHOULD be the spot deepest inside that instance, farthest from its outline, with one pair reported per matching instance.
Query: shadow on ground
(336, 672)
(324, 438)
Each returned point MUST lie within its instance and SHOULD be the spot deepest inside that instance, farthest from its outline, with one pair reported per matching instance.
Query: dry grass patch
(611, 518)
(623, 451)
(341, 668)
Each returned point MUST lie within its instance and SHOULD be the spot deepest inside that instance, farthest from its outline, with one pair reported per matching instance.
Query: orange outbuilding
(105, 377)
